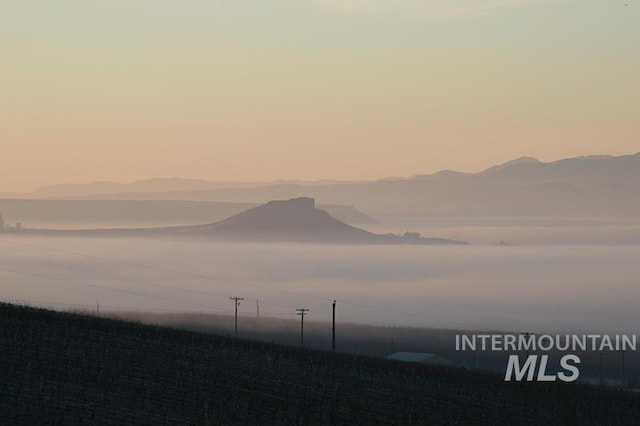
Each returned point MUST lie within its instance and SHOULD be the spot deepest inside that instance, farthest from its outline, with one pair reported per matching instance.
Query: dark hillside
(60, 368)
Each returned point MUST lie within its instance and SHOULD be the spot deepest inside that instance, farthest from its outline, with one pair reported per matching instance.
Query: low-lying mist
(515, 288)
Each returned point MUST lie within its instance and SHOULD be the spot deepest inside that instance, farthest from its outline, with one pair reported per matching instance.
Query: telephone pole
(257, 309)
(333, 329)
(302, 312)
(237, 303)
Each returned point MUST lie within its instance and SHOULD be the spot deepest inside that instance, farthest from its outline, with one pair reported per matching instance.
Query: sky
(248, 90)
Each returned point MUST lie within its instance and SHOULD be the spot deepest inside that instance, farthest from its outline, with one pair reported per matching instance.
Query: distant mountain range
(295, 220)
(595, 186)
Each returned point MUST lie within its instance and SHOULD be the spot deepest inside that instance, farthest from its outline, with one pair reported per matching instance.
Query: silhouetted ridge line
(294, 220)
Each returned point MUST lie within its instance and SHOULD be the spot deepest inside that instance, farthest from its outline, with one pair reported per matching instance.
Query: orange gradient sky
(310, 89)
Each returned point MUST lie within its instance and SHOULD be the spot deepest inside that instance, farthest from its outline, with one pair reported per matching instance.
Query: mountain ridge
(189, 184)
(590, 186)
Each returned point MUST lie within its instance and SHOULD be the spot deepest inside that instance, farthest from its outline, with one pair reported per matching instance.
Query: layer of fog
(536, 288)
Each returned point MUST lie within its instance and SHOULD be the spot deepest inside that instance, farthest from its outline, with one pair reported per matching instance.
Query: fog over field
(539, 287)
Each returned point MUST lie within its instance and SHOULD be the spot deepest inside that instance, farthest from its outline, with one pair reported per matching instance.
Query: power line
(245, 284)
(120, 290)
(130, 280)
(88, 306)
(112, 277)
(134, 309)
(167, 270)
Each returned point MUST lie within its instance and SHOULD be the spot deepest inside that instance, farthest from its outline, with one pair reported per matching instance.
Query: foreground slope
(71, 369)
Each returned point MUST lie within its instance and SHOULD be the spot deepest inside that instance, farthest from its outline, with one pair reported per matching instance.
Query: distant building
(420, 357)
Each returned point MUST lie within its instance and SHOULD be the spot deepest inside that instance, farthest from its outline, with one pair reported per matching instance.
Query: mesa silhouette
(294, 220)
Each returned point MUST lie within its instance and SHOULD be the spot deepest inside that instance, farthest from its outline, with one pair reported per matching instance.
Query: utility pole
(333, 329)
(97, 307)
(237, 303)
(302, 312)
(257, 309)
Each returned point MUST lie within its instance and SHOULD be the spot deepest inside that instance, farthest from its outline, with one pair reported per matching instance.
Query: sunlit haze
(309, 89)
